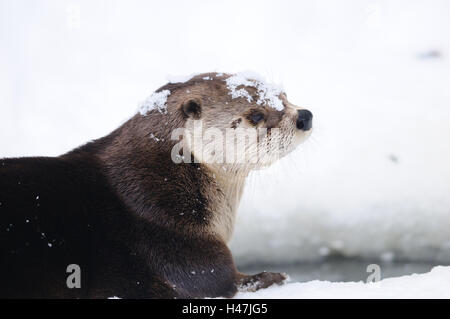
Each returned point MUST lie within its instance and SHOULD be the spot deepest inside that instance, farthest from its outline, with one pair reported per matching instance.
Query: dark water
(343, 269)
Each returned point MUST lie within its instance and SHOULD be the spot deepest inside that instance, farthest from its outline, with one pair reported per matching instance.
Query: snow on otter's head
(268, 93)
(236, 119)
(156, 101)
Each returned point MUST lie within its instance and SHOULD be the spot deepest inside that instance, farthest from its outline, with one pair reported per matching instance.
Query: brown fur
(173, 221)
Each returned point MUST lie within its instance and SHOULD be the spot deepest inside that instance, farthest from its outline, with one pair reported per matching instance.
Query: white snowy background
(372, 182)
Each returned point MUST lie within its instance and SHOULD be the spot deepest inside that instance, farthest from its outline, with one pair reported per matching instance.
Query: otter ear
(192, 108)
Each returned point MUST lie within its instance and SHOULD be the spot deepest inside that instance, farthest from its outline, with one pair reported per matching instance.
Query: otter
(126, 215)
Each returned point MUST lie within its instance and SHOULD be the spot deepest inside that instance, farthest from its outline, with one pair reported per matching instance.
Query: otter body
(137, 224)
(60, 211)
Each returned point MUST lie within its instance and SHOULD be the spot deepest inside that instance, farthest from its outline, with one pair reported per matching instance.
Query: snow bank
(429, 285)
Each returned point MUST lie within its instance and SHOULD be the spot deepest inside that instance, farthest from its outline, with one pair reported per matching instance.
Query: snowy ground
(372, 182)
(429, 285)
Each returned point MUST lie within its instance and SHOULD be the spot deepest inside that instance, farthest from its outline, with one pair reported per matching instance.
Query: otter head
(235, 122)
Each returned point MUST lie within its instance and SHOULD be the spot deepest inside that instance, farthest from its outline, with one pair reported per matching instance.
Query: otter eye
(256, 117)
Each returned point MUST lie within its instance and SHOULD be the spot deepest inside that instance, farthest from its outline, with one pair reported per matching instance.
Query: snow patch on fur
(268, 93)
(155, 101)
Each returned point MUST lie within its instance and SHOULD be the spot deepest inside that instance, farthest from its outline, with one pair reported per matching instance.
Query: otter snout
(304, 120)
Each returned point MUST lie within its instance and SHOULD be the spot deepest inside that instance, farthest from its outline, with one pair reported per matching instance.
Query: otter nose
(304, 120)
